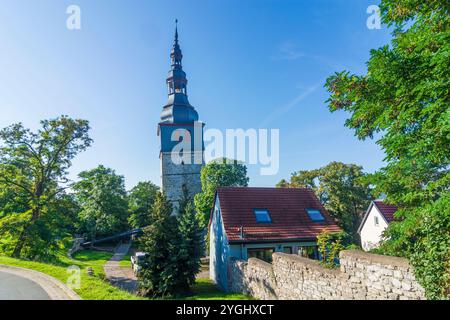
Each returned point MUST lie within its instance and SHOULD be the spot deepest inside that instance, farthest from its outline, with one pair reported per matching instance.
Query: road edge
(55, 289)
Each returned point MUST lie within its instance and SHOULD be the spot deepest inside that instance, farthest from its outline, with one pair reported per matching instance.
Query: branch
(35, 154)
(6, 181)
(54, 194)
(56, 155)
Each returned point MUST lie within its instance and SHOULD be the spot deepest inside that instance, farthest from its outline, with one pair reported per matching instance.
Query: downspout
(241, 230)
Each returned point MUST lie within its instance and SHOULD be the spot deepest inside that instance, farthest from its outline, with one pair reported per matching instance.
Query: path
(204, 269)
(124, 277)
(25, 284)
(121, 277)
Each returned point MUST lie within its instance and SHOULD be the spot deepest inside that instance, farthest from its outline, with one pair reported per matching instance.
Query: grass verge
(97, 288)
(204, 289)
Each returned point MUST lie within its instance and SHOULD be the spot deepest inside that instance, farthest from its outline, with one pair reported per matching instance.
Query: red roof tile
(287, 209)
(386, 210)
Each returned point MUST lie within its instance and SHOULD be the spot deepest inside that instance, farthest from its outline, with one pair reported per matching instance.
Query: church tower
(181, 136)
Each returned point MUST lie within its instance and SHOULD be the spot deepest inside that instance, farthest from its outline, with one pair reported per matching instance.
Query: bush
(424, 238)
(330, 245)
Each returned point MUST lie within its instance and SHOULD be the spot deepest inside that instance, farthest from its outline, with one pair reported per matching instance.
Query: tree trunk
(17, 252)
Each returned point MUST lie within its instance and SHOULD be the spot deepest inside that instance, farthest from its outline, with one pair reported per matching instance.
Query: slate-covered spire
(176, 30)
(176, 56)
(178, 108)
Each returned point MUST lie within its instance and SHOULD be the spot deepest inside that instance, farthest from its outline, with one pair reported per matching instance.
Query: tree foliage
(218, 173)
(33, 176)
(140, 200)
(329, 246)
(190, 247)
(404, 99)
(341, 188)
(103, 200)
(173, 245)
(423, 237)
(159, 241)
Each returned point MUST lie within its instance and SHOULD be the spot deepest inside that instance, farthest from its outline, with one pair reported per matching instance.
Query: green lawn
(94, 259)
(96, 288)
(204, 289)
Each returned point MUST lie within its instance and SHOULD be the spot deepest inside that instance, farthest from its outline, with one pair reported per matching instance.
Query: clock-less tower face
(181, 136)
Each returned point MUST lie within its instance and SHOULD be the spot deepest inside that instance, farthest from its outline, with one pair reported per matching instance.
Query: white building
(375, 221)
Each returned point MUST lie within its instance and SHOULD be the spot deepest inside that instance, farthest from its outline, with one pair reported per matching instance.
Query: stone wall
(255, 278)
(362, 276)
(76, 246)
(174, 176)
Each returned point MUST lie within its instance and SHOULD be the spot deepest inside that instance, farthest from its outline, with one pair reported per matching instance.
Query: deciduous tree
(218, 173)
(140, 200)
(103, 200)
(33, 170)
(341, 188)
(404, 99)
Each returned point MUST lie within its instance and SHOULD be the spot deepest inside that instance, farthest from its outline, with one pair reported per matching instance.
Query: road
(14, 287)
(26, 284)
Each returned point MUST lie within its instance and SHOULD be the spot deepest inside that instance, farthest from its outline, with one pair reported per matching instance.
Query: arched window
(170, 87)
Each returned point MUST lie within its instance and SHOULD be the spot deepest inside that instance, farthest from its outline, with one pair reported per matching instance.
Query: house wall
(240, 251)
(220, 251)
(370, 233)
(362, 276)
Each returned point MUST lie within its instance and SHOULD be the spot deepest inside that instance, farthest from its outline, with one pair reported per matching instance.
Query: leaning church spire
(178, 109)
(179, 125)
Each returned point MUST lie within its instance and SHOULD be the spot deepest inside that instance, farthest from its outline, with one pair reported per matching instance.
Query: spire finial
(176, 30)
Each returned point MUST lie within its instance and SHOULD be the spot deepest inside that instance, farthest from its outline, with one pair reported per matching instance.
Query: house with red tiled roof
(255, 222)
(375, 221)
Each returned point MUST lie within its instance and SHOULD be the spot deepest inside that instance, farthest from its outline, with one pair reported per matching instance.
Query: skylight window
(315, 215)
(262, 215)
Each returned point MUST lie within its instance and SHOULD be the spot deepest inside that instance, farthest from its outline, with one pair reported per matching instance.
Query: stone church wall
(174, 176)
(362, 276)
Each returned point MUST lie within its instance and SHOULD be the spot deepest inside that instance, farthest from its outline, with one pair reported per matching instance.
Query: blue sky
(250, 64)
